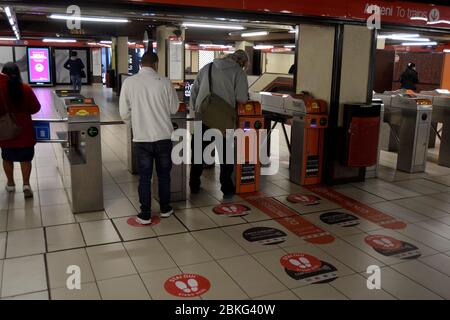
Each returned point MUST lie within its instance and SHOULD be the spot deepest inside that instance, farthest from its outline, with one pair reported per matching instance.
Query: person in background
(19, 99)
(409, 77)
(293, 69)
(76, 68)
(231, 84)
(148, 100)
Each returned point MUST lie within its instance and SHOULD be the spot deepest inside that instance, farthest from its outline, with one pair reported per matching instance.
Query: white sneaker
(10, 188)
(143, 222)
(27, 192)
(167, 213)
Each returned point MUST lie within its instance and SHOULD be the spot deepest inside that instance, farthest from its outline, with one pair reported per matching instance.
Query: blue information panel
(42, 130)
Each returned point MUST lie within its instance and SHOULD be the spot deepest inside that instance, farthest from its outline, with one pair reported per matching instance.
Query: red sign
(187, 285)
(132, 222)
(300, 262)
(393, 11)
(232, 210)
(358, 208)
(383, 242)
(306, 199)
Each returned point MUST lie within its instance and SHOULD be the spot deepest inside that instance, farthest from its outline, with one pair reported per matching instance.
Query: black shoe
(228, 195)
(195, 190)
(166, 212)
(144, 218)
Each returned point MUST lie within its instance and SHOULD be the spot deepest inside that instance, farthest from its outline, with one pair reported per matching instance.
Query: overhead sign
(39, 66)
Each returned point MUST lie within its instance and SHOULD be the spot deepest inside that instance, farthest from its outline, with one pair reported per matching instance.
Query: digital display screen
(39, 65)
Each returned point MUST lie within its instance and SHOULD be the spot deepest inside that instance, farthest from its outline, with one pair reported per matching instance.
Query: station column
(163, 35)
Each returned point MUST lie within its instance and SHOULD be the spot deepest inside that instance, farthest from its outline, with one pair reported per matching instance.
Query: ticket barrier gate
(59, 97)
(372, 172)
(80, 157)
(441, 114)
(410, 119)
(307, 139)
(178, 175)
(247, 170)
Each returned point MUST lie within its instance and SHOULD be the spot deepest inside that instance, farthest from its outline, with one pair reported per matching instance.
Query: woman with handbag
(17, 137)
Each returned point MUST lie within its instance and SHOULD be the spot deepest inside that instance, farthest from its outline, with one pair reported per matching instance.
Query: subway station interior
(356, 170)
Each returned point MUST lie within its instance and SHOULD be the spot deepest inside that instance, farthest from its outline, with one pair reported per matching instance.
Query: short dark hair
(149, 58)
(73, 53)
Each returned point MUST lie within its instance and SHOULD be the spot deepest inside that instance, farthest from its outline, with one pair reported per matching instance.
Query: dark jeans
(226, 170)
(159, 152)
(76, 82)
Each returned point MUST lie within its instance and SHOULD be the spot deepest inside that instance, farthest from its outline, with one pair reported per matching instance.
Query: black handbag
(83, 74)
(9, 129)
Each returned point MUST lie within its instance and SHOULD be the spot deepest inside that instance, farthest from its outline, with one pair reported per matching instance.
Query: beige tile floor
(41, 238)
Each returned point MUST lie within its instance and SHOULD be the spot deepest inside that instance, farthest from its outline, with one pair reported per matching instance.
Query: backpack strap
(210, 78)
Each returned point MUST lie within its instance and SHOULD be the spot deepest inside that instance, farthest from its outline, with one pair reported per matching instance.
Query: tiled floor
(40, 238)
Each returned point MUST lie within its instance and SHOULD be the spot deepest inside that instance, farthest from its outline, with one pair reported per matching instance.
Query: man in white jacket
(147, 100)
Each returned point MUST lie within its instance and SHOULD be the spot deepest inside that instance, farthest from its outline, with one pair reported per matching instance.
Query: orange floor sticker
(360, 209)
(392, 247)
(289, 219)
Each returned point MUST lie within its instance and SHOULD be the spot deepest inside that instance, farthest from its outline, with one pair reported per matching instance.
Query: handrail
(51, 120)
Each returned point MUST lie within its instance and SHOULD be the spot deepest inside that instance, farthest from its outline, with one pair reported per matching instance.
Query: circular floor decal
(300, 262)
(306, 199)
(232, 210)
(187, 285)
(392, 247)
(307, 268)
(264, 235)
(132, 222)
(341, 219)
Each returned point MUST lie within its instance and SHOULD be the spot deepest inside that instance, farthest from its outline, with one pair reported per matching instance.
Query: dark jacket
(75, 66)
(23, 110)
(409, 79)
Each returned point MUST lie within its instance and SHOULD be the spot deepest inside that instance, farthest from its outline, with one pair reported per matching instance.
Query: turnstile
(178, 175)
(307, 141)
(410, 121)
(372, 172)
(441, 114)
(59, 97)
(247, 172)
(80, 156)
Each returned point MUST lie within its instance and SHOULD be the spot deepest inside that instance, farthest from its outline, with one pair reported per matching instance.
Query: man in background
(76, 68)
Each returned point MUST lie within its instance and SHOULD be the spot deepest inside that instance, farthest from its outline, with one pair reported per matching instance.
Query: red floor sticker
(306, 199)
(232, 210)
(392, 247)
(358, 208)
(289, 219)
(187, 285)
(132, 222)
(307, 268)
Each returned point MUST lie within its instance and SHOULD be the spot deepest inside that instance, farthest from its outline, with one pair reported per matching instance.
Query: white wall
(278, 62)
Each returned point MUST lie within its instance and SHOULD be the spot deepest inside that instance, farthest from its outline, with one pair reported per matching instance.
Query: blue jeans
(160, 153)
(76, 82)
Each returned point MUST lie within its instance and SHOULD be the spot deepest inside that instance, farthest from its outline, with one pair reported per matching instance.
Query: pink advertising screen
(39, 65)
